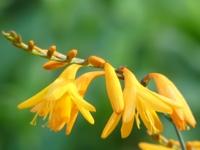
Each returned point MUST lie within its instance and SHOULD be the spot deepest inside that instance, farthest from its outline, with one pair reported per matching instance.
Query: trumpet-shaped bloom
(141, 103)
(147, 146)
(113, 88)
(181, 116)
(61, 100)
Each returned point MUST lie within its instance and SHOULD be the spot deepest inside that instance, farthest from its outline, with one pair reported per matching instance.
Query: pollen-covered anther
(71, 54)
(96, 61)
(51, 50)
(31, 45)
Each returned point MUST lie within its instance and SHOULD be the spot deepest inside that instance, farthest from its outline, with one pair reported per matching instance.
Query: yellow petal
(80, 102)
(55, 124)
(62, 109)
(193, 145)
(110, 125)
(72, 120)
(126, 128)
(129, 94)
(86, 114)
(113, 88)
(156, 121)
(41, 108)
(147, 146)
(154, 101)
(167, 100)
(58, 88)
(70, 72)
(149, 118)
(84, 80)
(179, 120)
(33, 100)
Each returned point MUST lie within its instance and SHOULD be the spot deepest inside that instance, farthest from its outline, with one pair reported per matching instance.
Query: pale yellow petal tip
(193, 124)
(91, 120)
(68, 132)
(93, 109)
(123, 136)
(21, 106)
(104, 135)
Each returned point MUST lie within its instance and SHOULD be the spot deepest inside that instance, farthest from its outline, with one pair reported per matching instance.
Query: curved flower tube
(113, 88)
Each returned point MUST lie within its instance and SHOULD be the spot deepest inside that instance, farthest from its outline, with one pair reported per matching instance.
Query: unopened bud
(13, 34)
(18, 39)
(50, 65)
(31, 45)
(71, 54)
(96, 61)
(50, 51)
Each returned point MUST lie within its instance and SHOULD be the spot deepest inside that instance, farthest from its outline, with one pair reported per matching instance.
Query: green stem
(180, 137)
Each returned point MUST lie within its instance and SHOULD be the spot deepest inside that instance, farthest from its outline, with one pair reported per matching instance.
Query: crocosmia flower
(61, 101)
(182, 117)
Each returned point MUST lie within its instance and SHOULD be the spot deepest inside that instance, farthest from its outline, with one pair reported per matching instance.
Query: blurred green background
(145, 35)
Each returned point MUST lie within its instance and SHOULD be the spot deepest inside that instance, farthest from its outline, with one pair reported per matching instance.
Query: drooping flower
(147, 146)
(113, 89)
(61, 100)
(141, 103)
(182, 117)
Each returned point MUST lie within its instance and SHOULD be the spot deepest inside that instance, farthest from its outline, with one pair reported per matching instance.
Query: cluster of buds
(63, 99)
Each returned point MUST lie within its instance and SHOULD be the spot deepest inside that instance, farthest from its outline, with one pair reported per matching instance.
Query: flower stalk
(180, 137)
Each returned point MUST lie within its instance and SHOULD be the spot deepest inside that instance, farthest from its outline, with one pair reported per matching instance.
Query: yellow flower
(61, 100)
(172, 145)
(193, 145)
(139, 102)
(113, 89)
(147, 146)
(181, 116)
